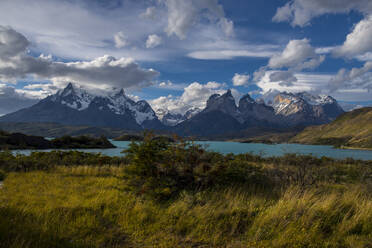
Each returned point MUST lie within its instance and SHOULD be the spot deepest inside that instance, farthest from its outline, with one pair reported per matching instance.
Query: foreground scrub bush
(162, 169)
(2, 175)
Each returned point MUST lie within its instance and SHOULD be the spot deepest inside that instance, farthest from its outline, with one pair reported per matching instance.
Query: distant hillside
(352, 129)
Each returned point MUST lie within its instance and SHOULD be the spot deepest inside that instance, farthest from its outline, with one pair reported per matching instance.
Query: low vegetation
(162, 194)
(13, 141)
(46, 129)
(350, 130)
(141, 137)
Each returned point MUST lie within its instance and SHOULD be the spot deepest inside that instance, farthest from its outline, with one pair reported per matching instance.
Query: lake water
(257, 149)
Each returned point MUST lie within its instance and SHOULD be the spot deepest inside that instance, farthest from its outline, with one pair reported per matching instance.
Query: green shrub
(2, 175)
(48, 160)
(162, 169)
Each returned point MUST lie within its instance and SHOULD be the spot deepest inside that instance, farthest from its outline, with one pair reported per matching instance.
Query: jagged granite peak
(246, 100)
(304, 108)
(192, 112)
(252, 111)
(172, 119)
(268, 96)
(288, 103)
(224, 103)
(143, 112)
(73, 97)
(316, 99)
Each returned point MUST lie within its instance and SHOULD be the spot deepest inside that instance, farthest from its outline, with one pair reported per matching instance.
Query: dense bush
(162, 169)
(67, 142)
(2, 175)
(48, 160)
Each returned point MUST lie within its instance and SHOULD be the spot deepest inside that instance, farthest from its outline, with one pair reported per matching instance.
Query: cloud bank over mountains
(137, 44)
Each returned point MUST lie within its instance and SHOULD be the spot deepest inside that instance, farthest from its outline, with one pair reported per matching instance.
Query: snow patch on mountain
(73, 97)
(77, 98)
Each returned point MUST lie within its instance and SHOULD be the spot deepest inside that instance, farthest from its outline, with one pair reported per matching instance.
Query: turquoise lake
(254, 148)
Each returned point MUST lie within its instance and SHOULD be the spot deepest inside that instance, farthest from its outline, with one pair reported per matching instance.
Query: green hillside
(352, 129)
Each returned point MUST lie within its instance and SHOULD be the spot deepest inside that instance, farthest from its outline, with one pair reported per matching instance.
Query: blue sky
(175, 53)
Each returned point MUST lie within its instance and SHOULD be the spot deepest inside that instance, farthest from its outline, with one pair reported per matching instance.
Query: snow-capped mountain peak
(316, 99)
(73, 97)
(117, 102)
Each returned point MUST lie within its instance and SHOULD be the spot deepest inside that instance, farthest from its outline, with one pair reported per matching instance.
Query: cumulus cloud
(150, 13)
(359, 41)
(284, 77)
(240, 79)
(102, 71)
(194, 95)
(153, 40)
(356, 78)
(120, 40)
(182, 15)
(300, 12)
(298, 55)
(310, 82)
(166, 84)
(227, 26)
(11, 43)
(12, 99)
(344, 89)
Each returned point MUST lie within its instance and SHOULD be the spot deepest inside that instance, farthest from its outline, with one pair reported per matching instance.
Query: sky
(176, 53)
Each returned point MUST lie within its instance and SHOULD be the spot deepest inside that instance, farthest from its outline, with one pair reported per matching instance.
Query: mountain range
(221, 116)
(75, 106)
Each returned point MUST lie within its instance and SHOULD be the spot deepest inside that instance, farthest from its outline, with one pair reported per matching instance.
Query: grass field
(169, 195)
(89, 207)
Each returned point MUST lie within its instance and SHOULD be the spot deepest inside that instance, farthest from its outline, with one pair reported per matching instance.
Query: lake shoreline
(225, 147)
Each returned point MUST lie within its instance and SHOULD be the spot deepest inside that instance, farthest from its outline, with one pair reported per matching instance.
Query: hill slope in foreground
(352, 129)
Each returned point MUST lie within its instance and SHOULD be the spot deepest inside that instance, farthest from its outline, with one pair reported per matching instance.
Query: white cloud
(240, 79)
(120, 40)
(356, 78)
(300, 12)
(227, 26)
(182, 15)
(230, 54)
(12, 99)
(301, 82)
(11, 43)
(165, 84)
(320, 84)
(103, 71)
(359, 41)
(283, 77)
(150, 13)
(298, 55)
(153, 40)
(90, 29)
(194, 95)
